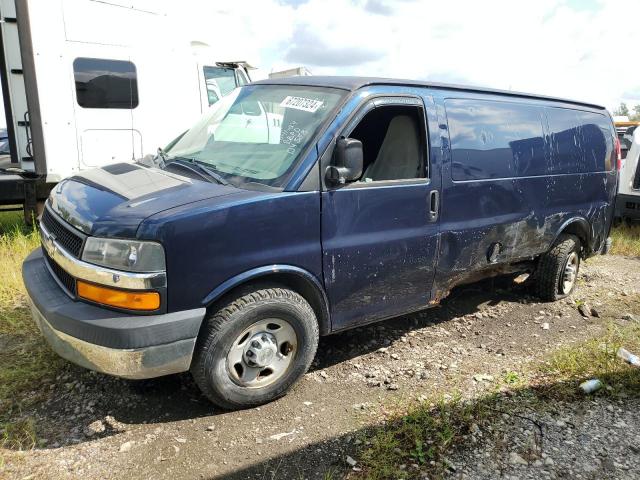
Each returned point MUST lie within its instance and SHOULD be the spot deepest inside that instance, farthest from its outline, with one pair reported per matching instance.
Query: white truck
(91, 82)
(628, 199)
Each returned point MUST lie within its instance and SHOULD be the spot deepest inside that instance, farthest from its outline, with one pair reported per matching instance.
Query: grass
(418, 441)
(26, 362)
(626, 240)
(19, 434)
(597, 359)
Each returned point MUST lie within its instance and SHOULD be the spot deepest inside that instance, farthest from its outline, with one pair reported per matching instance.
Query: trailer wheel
(558, 269)
(254, 348)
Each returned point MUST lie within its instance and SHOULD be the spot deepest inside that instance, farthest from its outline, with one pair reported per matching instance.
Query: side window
(393, 142)
(495, 139)
(580, 141)
(220, 81)
(102, 83)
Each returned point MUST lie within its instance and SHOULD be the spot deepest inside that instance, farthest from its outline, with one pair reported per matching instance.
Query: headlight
(128, 255)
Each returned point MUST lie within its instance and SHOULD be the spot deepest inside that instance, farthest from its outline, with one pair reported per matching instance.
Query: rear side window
(495, 139)
(102, 83)
(580, 141)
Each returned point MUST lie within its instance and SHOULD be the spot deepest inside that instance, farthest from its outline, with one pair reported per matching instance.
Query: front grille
(65, 279)
(70, 241)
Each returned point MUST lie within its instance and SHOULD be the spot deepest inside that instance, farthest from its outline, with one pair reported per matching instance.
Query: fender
(304, 282)
(578, 226)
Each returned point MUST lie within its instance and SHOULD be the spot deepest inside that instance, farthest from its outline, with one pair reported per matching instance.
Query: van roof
(354, 83)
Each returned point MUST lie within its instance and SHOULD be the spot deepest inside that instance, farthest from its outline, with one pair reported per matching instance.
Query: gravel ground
(95, 427)
(594, 439)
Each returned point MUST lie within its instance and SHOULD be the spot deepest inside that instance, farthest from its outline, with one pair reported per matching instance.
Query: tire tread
(551, 266)
(214, 323)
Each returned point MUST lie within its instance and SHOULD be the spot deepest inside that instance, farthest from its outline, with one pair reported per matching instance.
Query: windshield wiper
(163, 155)
(211, 171)
(198, 167)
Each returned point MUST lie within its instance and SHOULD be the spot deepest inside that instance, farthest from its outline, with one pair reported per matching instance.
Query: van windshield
(257, 133)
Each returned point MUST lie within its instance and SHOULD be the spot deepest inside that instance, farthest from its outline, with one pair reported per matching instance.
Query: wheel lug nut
(255, 344)
(264, 338)
(249, 353)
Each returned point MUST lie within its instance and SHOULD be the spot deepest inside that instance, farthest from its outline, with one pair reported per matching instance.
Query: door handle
(434, 205)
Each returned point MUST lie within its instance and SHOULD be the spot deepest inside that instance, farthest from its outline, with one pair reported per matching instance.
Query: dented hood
(114, 200)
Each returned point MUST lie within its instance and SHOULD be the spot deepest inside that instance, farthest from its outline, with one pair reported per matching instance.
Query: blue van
(306, 206)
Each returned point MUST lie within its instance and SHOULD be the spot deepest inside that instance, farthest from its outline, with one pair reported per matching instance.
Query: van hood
(113, 200)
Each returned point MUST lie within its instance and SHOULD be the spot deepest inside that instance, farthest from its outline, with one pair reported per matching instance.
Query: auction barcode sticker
(301, 103)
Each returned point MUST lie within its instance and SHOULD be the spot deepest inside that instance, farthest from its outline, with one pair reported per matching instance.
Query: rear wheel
(558, 269)
(255, 348)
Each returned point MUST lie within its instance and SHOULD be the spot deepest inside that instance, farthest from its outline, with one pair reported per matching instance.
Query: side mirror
(347, 162)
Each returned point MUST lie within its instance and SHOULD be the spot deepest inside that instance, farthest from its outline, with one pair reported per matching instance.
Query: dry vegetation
(626, 240)
(26, 362)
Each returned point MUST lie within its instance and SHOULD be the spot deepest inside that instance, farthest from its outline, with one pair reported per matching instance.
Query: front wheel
(558, 269)
(255, 348)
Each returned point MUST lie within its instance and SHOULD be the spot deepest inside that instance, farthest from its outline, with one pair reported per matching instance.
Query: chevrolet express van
(301, 207)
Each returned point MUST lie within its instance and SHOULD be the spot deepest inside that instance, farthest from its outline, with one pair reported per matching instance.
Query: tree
(622, 110)
(636, 113)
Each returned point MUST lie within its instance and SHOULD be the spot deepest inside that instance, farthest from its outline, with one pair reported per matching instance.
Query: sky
(580, 49)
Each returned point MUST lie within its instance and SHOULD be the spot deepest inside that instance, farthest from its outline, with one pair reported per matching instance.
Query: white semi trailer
(91, 82)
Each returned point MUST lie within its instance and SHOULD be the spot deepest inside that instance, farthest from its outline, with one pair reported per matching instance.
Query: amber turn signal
(119, 298)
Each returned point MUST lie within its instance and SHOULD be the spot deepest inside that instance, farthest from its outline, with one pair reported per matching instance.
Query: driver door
(380, 232)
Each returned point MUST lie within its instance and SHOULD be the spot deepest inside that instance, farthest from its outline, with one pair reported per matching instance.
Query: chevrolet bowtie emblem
(51, 242)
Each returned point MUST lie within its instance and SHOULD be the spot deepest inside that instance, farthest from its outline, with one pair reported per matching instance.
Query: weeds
(26, 362)
(16, 242)
(330, 474)
(512, 378)
(626, 240)
(18, 435)
(419, 442)
(422, 439)
(597, 359)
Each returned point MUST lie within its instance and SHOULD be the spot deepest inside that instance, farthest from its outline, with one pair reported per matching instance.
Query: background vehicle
(628, 199)
(625, 129)
(4, 142)
(371, 199)
(87, 83)
(291, 72)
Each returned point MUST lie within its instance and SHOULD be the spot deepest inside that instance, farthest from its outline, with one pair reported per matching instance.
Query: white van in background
(92, 82)
(628, 199)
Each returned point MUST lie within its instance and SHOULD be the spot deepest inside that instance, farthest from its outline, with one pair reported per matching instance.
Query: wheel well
(580, 230)
(291, 281)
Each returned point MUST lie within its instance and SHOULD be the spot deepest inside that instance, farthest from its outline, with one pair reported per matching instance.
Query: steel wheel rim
(570, 272)
(262, 353)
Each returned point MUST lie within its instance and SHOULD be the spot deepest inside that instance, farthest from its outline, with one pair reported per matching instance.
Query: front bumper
(628, 206)
(96, 338)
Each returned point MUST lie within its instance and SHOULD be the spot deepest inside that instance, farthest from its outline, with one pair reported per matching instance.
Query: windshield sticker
(293, 136)
(301, 103)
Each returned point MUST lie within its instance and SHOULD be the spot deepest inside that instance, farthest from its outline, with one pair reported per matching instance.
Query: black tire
(222, 328)
(551, 268)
